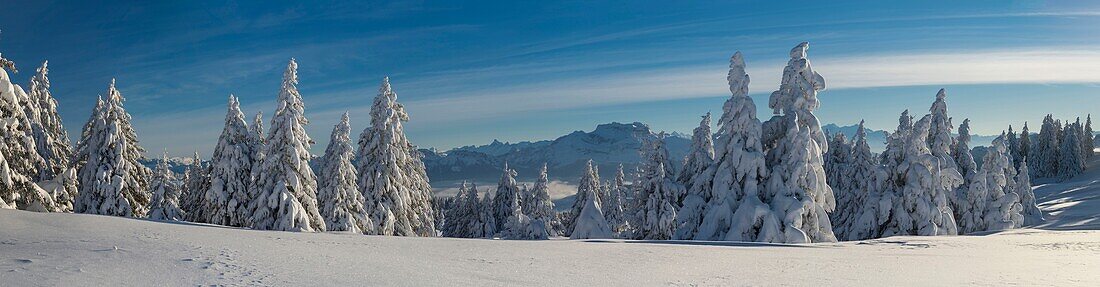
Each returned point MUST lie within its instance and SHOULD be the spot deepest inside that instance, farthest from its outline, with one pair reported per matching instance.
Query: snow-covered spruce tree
(165, 203)
(964, 159)
(112, 181)
(1003, 210)
(1044, 157)
(1089, 138)
(1032, 214)
(392, 176)
(796, 186)
(21, 162)
(697, 177)
(462, 218)
(837, 167)
(1013, 145)
(506, 195)
(738, 208)
(862, 175)
(518, 226)
(227, 199)
(196, 180)
(286, 188)
(1023, 151)
(940, 142)
(539, 205)
(338, 193)
(613, 205)
(657, 190)
(922, 207)
(52, 143)
(485, 216)
(836, 161)
(1071, 162)
(257, 144)
(590, 181)
(793, 104)
(590, 222)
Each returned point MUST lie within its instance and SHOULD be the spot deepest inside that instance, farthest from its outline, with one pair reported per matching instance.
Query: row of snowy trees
(252, 180)
(507, 215)
(1058, 151)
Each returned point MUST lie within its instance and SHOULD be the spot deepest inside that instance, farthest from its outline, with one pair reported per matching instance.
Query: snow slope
(48, 249)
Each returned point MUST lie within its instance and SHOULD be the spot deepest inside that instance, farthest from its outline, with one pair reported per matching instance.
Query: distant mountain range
(608, 146)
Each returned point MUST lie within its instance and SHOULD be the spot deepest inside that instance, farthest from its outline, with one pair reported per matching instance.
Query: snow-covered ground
(89, 250)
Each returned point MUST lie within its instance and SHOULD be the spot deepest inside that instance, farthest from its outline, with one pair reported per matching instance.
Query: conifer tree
(613, 205)
(1003, 210)
(1072, 160)
(112, 181)
(338, 193)
(49, 133)
(19, 160)
(590, 181)
(697, 176)
(738, 207)
(166, 194)
(1089, 138)
(392, 177)
(196, 180)
(228, 197)
(1013, 144)
(964, 160)
(793, 104)
(1032, 214)
(286, 186)
(539, 205)
(656, 192)
(1024, 151)
(862, 175)
(507, 195)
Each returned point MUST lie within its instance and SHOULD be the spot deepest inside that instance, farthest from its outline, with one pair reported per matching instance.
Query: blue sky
(472, 72)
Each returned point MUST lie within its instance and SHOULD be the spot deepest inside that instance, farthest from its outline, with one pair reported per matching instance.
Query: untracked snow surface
(49, 249)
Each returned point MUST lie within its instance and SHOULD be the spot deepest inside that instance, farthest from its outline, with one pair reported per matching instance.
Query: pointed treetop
(799, 51)
(291, 74)
(941, 94)
(737, 78)
(233, 104)
(706, 120)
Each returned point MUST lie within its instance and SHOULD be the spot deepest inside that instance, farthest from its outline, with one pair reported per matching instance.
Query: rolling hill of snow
(48, 249)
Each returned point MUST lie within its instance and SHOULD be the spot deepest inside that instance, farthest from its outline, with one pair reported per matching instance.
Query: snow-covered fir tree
(227, 200)
(613, 205)
(286, 188)
(392, 176)
(52, 143)
(338, 193)
(1032, 214)
(19, 160)
(862, 184)
(656, 192)
(112, 181)
(1003, 209)
(1071, 160)
(518, 226)
(964, 160)
(1044, 156)
(195, 182)
(697, 177)
(539, 206)
(590, 222)
(798, 162)
(485, 216)
(940, 142)
(1089, 138)
(506, 195)
(464, 218)
(1013, 145)
(913, 199)
(257, 144)
(837, 169)
(590, 181)
(1023, 151)
(165, 203)
(738, 208)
